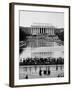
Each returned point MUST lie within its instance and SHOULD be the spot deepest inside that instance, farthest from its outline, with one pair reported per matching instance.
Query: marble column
(43, 30)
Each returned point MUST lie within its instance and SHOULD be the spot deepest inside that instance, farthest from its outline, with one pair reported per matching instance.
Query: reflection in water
(55, 51)
(41, 71)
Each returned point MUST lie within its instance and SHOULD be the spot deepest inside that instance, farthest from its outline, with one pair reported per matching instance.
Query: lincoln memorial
(40, 28)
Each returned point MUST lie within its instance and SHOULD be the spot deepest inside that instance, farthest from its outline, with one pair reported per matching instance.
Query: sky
(27, 18)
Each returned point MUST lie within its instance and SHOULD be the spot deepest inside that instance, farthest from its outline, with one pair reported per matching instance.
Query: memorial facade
(41, 28)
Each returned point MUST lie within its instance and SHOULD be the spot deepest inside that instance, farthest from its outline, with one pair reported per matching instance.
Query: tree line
(42, 61)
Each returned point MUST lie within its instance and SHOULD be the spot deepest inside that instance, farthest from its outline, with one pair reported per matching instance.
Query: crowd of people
(41, 61)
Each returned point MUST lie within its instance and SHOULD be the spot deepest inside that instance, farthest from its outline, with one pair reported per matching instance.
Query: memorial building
(40, 28)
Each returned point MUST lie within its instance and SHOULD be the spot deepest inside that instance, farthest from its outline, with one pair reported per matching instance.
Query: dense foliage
(60, 35)
(42, 61)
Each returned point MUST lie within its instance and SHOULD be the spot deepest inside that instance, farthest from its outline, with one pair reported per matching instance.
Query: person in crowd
(26, 77)
(45, 72)
(40, 72)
